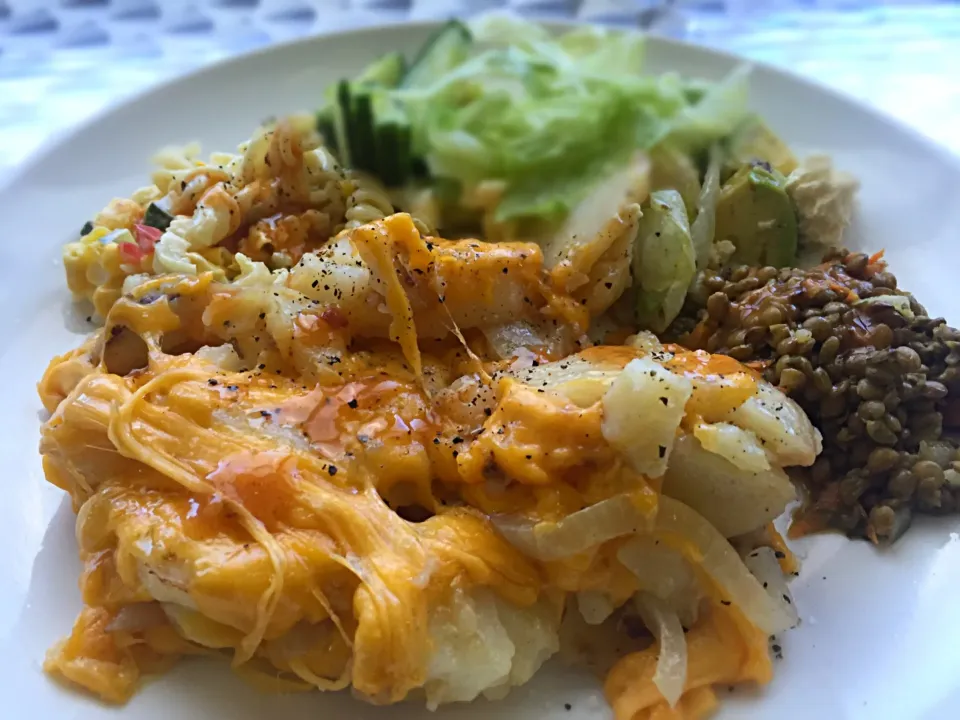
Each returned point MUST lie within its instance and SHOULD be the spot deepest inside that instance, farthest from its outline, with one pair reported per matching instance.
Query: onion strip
(706, 547)
(577, 532)
(670, 675)
(765, 566)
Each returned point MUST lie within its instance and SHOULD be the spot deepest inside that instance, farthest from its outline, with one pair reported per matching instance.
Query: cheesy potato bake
(315, 439)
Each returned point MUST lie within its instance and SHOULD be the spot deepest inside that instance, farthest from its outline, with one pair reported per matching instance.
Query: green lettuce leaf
(549, 116)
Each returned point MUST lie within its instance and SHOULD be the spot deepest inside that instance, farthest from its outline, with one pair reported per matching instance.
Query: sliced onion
(671, 673)
(764, 565)
(202, 630)
(738, 446)
(594, 606)
(734, 501)
(138, 616)
(576, 533)
(299, 640)
(646, 341)
(663, 571)
(720, 561)
(506, 339)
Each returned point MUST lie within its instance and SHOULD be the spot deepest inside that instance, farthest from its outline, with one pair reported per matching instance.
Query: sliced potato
(739, 446)
(641, 413)
(734, 501)
(783, 428)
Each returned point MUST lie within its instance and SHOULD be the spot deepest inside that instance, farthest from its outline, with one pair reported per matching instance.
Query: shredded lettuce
(716, 114)
(551, 115)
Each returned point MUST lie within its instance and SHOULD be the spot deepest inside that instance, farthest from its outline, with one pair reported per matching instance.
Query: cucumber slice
(385, 72)
(327, 127)
(393, 153)
(363, 151)
(447, 48)
(347, 124)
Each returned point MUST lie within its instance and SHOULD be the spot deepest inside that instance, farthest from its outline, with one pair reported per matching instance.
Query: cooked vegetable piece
(673, 169)
(589, 253)
(663, 260)
(642, 410)
(765, 566)
(735, 501)
(753, 141)
(86, 229)
(577, 532)
(347, 123)
(157, 217)
(755, 213)
(741, 447)
(671, 673)
(664, 572)
(705, 547)
(703, 229)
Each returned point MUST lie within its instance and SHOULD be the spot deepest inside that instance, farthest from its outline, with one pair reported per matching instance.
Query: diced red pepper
(147, 236)
(130, 253)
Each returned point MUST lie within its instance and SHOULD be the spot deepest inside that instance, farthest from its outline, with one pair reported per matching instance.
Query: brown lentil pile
(876, 375)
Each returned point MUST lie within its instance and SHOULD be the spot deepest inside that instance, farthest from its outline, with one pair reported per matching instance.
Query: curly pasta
(281, 196)
(368, 201)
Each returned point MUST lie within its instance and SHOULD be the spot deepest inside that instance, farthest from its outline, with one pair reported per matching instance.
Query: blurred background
(63, 60)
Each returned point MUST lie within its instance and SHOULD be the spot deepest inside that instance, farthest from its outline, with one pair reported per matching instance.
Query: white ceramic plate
(880, 632)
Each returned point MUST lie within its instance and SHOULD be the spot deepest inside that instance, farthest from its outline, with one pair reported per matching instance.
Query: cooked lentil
(880, 382)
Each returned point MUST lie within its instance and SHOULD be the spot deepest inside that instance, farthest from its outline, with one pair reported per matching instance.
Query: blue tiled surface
(62, 60)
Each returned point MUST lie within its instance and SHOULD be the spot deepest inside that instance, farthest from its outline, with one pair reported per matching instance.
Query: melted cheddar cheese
(256, 474)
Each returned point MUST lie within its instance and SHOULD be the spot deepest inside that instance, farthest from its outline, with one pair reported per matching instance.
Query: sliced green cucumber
(447, 48)
(348, 151)
(327, 127)
(363, 151)
(386, 71)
